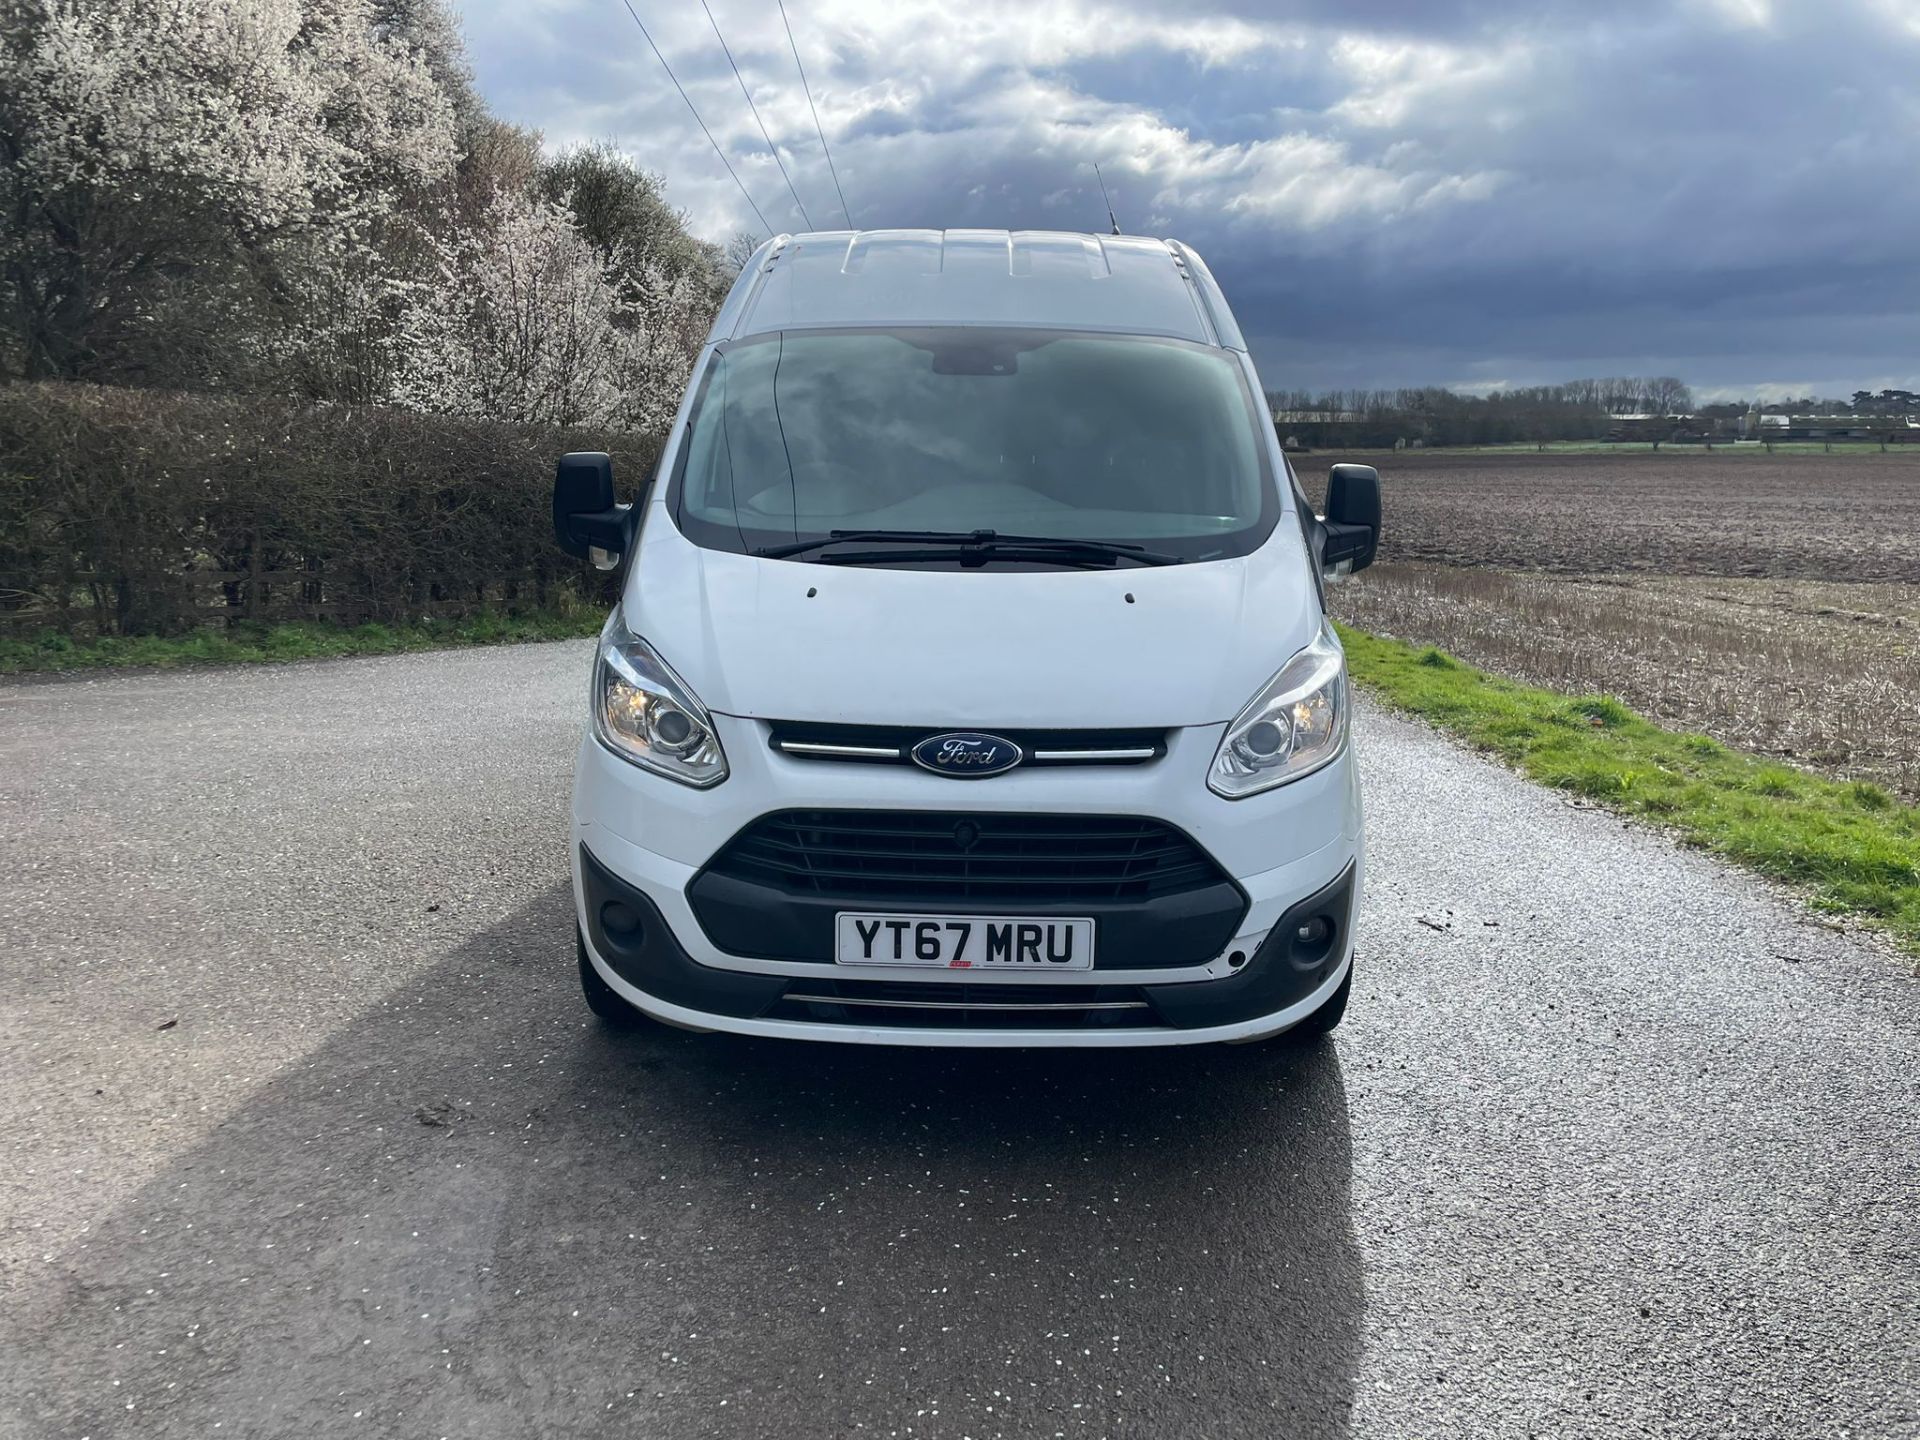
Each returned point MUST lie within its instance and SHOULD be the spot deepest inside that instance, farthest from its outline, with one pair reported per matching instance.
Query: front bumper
(1295, 854)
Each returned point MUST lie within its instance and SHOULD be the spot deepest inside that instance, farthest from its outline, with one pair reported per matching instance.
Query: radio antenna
(1103, 195)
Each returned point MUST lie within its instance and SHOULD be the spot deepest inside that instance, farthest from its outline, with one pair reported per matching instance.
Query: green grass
(252, 644)
(1852, 847)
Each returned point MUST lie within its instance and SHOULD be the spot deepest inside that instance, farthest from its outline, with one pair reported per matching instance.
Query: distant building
(1884, 428)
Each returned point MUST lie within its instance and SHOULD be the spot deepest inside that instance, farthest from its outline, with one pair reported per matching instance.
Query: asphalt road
(305, 1132)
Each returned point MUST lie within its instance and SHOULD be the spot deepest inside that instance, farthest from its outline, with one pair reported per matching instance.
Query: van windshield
(1122, 439)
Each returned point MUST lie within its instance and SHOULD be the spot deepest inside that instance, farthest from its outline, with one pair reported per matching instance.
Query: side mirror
(1350, 531)
(586, 521)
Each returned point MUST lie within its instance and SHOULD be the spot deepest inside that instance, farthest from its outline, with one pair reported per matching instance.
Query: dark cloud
(1390, 191)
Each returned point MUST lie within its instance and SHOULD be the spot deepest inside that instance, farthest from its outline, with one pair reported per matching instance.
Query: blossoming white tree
(308, 196)
(517, 324)
(176, 169)
(523, 321)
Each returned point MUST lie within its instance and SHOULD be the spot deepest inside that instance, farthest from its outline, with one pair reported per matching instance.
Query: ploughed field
(1853, 516)
(1772, 602)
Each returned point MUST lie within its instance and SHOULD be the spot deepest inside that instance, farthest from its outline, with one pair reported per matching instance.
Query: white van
(971, 682)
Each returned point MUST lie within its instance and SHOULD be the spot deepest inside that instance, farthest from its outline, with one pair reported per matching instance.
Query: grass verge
(246, 644)
(1851, 846)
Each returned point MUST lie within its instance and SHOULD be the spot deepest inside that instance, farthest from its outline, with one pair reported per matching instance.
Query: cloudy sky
(1465, 192)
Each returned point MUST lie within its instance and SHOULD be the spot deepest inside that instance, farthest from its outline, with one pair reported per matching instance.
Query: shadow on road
(472, 1212)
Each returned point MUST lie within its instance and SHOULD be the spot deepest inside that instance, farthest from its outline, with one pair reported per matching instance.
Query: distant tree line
(1863, 402)
(308, 198)
(1884, 402)
(1431, 415)
(1594, 409)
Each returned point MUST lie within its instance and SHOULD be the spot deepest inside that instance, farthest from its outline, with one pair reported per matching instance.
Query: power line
(696, 115)
(756, 113)
(816, 114)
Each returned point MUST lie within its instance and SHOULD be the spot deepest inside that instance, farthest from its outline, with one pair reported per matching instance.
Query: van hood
(1134, 647)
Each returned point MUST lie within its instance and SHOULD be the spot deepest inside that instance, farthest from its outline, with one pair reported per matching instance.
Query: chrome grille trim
(839, 752)
(1093, 757)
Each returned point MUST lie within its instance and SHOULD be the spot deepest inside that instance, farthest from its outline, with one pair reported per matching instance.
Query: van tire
(602, 999)
(1324, 1020)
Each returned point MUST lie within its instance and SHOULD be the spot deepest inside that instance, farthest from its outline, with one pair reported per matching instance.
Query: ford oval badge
(967, 756)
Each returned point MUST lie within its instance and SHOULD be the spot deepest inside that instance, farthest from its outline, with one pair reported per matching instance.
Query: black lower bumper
(1304, 947)
(628, 931)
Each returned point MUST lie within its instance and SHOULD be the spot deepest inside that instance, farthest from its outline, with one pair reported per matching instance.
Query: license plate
(963, 942)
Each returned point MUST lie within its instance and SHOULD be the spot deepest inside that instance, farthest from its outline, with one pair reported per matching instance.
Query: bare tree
(1668, 395)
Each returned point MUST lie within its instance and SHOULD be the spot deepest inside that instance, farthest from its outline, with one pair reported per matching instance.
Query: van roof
(1047, 279)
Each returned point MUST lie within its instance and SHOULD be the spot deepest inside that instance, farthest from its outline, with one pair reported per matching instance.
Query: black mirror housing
(585, 517)
(1352, 523)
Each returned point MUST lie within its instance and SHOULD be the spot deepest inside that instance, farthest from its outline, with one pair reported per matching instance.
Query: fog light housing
(619, 922)
(1312, 941)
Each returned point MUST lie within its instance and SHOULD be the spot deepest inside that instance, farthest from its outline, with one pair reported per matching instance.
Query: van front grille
(877, 857)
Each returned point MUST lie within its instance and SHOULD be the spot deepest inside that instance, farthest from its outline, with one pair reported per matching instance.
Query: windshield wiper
(903, 537)
(1085, 553)
(968, 544)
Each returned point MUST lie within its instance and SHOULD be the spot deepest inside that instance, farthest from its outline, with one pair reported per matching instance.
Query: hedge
(143, 512)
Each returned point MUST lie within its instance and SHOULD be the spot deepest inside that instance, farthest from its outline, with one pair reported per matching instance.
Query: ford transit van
(971, 682)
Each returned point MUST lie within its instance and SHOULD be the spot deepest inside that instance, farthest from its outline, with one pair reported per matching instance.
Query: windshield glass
(1080, 436)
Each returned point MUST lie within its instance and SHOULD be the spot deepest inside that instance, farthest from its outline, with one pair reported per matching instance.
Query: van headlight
(645, 713)
(1295, 725)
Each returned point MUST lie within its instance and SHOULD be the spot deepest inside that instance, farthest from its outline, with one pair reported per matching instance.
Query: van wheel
(605, 1002)
(1328, 1016)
